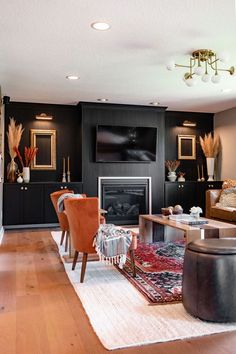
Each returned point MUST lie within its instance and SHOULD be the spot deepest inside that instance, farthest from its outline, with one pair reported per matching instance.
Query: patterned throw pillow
(228, 198)
(229, 183)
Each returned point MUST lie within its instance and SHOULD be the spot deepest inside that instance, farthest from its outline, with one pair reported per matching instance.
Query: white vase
(210, 167)
(172, 176)
(26, 174)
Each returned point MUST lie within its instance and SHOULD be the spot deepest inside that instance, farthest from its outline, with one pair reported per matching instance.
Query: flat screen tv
(126, 144)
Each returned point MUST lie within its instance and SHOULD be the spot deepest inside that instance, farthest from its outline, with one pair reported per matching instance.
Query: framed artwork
(187, 147)
(45, 141)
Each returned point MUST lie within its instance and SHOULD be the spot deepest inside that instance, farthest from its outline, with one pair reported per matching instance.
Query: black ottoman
(209, 279)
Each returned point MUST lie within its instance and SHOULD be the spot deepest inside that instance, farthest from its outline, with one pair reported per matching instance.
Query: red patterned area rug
(159, 271)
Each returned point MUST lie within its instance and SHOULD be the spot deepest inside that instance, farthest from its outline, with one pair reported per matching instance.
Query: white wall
(225, 126)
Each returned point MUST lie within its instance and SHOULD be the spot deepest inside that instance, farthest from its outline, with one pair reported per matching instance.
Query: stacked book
(188, 219)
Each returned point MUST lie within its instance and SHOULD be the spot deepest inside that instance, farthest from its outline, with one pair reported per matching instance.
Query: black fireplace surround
(124, 199)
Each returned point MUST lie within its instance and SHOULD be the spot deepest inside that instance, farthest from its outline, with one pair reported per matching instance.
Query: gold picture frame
(45, 141)
(186, 147)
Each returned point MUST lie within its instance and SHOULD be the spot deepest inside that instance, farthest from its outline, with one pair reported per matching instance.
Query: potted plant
(13, 136)
(29, 154)
(172, 166)
(181, 176)
(210, 146)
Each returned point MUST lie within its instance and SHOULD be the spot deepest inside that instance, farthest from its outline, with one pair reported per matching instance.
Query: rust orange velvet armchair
(62, 218)
(84, 220)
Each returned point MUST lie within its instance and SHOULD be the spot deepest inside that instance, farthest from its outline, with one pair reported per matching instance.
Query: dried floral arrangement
(29, 154)
(210, 145)
(172, 165)
(181, 174)
(14, 136)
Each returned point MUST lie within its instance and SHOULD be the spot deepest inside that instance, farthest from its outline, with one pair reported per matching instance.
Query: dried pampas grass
(210, 145)
(14, 136)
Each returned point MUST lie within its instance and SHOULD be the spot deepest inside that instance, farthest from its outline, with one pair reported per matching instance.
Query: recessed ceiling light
(102, 99)
(155, 103)
(72, 77)
(226, 90)
(100, 26)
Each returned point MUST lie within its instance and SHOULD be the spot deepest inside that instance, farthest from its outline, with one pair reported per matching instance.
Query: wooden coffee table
(153, 228)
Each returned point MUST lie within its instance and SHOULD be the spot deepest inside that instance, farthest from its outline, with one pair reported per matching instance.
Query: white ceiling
(42, 41)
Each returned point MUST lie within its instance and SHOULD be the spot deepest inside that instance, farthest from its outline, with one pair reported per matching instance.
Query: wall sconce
(188, 123)
(43, 116)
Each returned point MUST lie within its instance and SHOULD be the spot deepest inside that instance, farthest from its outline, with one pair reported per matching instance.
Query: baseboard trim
(1, 234)
(30, 226)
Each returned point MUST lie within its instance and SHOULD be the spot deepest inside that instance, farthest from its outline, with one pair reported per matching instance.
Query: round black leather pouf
(209, 279)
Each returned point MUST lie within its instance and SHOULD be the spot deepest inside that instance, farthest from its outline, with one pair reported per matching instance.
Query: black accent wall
(112, 114)
(67, 123)
(76, 137)
(174, 127)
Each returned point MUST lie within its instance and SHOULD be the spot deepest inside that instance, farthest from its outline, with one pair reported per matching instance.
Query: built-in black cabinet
(30, 203)
(23, 204)
(189, 193)
(182, 193)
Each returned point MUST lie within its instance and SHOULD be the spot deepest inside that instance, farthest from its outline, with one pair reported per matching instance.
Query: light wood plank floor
(41, 314)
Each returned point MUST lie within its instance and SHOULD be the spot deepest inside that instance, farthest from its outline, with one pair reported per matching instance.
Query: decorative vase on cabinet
(172, 176)
(210, 167)
(26, 174)
(12, 168)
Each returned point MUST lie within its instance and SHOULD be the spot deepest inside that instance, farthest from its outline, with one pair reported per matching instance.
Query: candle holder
(68, 169)
(64, 170)
(202, 178)
(68, 176)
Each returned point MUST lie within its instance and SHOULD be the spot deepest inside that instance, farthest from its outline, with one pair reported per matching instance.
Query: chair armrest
(212, 197)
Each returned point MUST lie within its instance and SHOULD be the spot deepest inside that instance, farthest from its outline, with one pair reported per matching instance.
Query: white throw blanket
(60, 202)
(112, 243)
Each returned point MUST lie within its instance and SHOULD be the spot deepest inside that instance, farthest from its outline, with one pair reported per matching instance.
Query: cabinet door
(50, 215)
(183, 193)
(188, 196)
(173, 194)
(33, 204)
(13, 195)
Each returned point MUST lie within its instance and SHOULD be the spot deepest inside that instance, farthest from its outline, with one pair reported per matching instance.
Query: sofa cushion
(229, 183)
(227, 198)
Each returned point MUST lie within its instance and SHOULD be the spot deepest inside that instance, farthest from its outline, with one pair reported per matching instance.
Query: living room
(72, 86)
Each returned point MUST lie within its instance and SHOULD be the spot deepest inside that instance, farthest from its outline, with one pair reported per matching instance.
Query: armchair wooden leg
(84, 263)
(75, 260)
(67, 239)
(62, 237)
(131, 252)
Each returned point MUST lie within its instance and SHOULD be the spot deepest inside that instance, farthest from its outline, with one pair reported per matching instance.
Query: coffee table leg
(145, 230)
(158, 232)
(192, 235)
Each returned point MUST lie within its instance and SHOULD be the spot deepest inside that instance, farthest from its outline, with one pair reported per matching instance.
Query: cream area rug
(120, 315)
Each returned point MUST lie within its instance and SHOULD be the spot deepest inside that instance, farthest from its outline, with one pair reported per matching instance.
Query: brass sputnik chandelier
(202, 63)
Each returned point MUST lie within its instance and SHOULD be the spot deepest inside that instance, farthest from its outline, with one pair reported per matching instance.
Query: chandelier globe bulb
(191, 82)
(216, 79)
(170, 65)
(206, 78)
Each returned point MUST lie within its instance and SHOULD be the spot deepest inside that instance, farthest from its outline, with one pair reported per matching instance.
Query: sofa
(221, 203)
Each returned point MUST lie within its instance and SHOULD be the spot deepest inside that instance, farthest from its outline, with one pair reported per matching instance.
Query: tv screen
(126, 144)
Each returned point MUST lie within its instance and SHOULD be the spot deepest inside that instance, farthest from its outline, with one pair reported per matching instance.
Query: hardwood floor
(41, 314)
